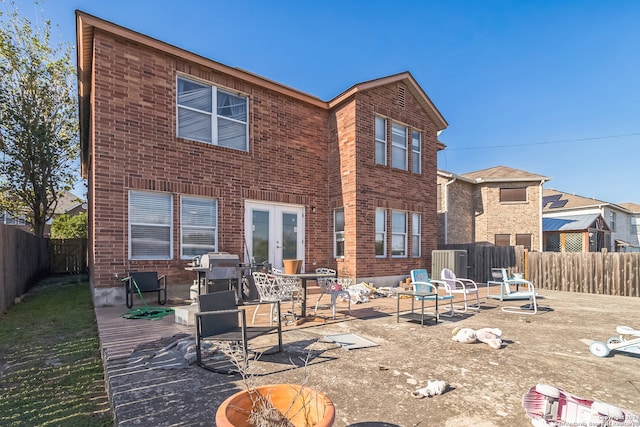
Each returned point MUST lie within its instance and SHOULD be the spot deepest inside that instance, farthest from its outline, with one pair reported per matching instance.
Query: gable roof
(411, 83)
(554, 200)
(633, 207)
(571, 222)
(86, 25)
(504, 174)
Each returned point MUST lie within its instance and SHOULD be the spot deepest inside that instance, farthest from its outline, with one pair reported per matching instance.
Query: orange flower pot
(303, 406)
(292, 266)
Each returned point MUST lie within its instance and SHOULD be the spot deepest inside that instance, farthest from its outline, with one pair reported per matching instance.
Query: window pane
(381, 141)
(150, 224)
(381, 219)
(194, 125)
(232, 106)
(503, 240)
(416, 235)
(198, 221)
(398, 245)
(398, 146)
(398, 233)
(416, 158)
(232, 134)
(150, 242)
(524, 240)
(513, 194)
(339, 220)
(194, 95)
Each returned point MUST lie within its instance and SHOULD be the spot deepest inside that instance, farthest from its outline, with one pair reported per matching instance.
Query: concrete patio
(372, 386)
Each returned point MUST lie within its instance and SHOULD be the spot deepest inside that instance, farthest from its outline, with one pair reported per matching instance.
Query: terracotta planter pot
(292, 266)
(303, 406)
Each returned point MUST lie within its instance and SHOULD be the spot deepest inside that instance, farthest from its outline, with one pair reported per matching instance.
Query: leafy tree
(69, 227)
(38, 119)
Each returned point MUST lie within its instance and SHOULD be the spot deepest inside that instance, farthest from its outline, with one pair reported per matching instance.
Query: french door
(273, 233)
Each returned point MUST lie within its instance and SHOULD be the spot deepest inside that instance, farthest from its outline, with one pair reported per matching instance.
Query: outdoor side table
(424, 296)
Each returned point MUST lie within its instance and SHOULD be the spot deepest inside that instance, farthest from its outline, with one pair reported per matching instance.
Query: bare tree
(38, 119)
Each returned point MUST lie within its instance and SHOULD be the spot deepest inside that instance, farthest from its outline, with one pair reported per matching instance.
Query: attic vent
(401, 98)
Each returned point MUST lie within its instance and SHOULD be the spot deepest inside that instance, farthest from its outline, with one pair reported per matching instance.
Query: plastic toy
(547, 405)
(628, 341)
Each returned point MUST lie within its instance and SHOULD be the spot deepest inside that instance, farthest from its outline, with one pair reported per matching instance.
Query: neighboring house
(580, 224)
(634, 226)
(184, 156)
(499, 205)
(68, 203)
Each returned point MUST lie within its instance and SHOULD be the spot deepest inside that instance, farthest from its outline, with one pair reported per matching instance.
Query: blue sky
(550, 87)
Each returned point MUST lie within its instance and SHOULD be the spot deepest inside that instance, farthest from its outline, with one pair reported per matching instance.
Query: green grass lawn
(51, 372)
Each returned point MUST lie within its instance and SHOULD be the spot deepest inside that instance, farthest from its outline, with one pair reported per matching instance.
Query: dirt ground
(372, 386)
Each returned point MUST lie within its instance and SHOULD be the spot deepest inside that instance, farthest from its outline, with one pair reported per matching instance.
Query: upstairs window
(198, 226)
(338, 230)
(399, 147)
(508, 195)
(381, 141)
(612, 221)
(212, 115)
(416, 152)
(150, 225)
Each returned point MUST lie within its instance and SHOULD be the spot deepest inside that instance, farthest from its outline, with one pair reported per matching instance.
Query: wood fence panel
(593, 272)
(68, 256)
(23, 260)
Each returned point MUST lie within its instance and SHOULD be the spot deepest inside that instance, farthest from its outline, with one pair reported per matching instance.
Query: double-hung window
(212, 115)
(381, 232)
(416, 152)
(416, 235)
(398, 234)
(338, 230)
(150, 225)
(198, 226)
(381, 141)
(399, 150)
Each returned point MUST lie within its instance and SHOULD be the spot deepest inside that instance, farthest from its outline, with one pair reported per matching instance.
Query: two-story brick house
(498, 205)
(184, 155)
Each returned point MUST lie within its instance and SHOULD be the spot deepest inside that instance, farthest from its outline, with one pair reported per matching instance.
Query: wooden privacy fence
(23, 260)
(616, 273)
(607, 273)
(481, 258)
(68, 256)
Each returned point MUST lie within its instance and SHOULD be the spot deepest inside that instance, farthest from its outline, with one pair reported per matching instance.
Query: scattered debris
(433, 388)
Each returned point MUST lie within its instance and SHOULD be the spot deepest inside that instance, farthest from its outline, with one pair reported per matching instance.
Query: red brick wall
(299, 153)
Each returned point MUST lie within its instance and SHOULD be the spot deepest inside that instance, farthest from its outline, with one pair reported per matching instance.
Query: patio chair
(455, 285)
(141, 282)
(220, 319)
(509, 290)
(420, 282)
(335, 287)
(269, 292)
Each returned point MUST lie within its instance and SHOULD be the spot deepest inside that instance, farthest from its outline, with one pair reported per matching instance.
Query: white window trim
(213, 114)
(131, 224)
(213, 227)
(416, 235)
(416, 153)
(338, 236)
(403, 147)
(402, 233)
(380, 141)
(383, 231)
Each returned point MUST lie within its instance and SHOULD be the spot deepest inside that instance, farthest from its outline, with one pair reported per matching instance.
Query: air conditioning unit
(454, 260)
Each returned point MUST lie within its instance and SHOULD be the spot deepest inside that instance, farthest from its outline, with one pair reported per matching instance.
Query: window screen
(513, 194)
(150, 225)
(503, 239)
